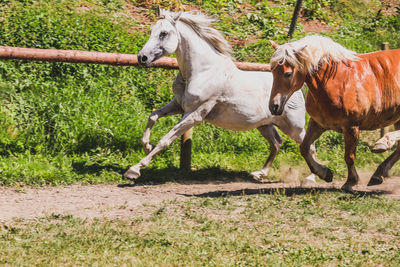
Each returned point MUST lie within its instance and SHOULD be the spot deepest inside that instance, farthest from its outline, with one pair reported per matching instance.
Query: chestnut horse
(347, 92)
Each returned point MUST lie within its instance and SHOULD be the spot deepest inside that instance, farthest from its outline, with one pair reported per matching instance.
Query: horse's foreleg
(351, 135)
(169, 109)
(386, 142)
(189, 120)
(384, 168)
(275, 141)
(307, 150)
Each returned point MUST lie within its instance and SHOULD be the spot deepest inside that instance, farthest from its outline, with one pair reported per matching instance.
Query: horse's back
(384, 64)
(364, 92)
(383, 81)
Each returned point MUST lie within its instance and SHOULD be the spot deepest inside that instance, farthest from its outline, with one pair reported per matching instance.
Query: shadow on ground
(82, 167)
(215, 175)
(212, 175)
(287, 191)
(153, 176)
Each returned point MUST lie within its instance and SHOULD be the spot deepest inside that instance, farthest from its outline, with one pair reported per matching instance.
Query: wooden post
(294, 18)
(384, 46)
(186, 151)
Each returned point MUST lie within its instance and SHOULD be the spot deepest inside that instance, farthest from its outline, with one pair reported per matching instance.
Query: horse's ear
(274, 45)
(158, 11)
(177, 16)
(299, 50)
(299, 53)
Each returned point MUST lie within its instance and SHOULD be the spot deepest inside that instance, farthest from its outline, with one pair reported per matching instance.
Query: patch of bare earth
(316, 26)
(140, 14)
(113, 201)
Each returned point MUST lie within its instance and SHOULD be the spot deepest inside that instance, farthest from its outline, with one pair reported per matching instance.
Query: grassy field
(285, 228)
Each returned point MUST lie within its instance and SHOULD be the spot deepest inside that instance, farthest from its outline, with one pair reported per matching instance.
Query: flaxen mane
(308, 53)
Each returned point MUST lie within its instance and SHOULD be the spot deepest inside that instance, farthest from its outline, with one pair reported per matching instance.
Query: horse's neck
(194, 54)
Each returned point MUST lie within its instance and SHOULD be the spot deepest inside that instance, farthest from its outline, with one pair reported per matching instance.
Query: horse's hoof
(258, 175)
(348, 188)
(375, 180)
(328, 175)
(379, 148)
(132, 174)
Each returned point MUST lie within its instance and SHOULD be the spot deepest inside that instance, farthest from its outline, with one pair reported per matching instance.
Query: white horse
(209, 87)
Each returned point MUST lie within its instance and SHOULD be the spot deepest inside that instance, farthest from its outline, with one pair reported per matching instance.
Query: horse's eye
(163, 35)
(288, 74)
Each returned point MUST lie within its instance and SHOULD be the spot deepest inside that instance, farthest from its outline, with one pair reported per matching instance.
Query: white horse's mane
(308, 53)
(200, 24)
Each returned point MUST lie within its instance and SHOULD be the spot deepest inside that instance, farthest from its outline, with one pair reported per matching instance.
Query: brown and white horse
(347, 92)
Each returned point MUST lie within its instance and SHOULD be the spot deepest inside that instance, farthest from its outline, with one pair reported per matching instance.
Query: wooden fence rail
(77, 56)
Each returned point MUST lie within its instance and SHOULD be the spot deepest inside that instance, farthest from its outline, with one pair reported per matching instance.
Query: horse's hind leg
(314, 131)
(169, 109)
(188, 120)
(268, 132)
(384, 168)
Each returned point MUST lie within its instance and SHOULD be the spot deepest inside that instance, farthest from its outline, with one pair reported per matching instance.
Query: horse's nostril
(275, 107)
(142, 59)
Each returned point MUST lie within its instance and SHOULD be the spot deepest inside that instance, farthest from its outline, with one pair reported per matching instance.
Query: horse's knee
(349, 159)
(275, 147)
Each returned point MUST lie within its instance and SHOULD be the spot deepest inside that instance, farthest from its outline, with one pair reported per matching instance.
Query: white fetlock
(147, 148)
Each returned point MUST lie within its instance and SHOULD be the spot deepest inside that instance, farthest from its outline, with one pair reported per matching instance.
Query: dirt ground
(128, 201)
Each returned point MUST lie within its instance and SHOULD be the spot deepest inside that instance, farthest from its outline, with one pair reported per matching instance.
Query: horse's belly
(229, 117)
(336, 119)
(376, 121)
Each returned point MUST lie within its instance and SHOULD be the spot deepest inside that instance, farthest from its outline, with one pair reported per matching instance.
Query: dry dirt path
(122, 201)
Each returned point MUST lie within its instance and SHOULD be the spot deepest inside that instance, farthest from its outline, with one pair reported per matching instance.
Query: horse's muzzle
(276, 105)
(142, 59)
(276, 110)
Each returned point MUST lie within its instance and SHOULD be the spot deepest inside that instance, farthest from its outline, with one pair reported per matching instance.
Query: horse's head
(164, 38)
(288, 78)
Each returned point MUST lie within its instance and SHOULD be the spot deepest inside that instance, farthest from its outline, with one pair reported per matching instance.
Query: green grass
(278, 228)
(64, 123)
